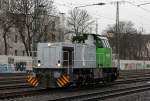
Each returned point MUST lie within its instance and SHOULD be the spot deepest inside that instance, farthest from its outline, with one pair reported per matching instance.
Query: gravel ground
(145, 96)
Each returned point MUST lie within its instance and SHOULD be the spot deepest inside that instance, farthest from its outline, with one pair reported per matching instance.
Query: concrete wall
(132, 64)
(12, 64)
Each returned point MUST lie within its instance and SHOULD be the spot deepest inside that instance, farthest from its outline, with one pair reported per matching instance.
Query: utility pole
(36, 4)
(96, 30)
(62, 29)
(117, 34)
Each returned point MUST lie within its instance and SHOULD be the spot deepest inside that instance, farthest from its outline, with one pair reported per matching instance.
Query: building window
(16, 38)
(53, 26)
(1, 3)
(23, 53)
(15, 52)
(53, 37)
(10, 60)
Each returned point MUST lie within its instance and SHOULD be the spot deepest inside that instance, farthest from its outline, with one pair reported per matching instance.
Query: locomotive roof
(95, 34)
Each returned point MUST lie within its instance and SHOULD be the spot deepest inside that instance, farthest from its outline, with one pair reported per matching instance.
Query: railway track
(88, 93)
(10, 81)
(14, 86)
(133, 73)
(23, 92)
(102, 95)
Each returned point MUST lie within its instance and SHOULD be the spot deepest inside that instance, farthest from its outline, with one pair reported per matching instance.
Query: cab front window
(99, 43)
(102, 43)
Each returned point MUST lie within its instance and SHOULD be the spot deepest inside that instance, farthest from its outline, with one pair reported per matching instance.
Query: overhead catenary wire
(65, 5)
(144, 4)
(72, 5)
(138, 6)
(131, 2)
(123, 2)
(108, 18)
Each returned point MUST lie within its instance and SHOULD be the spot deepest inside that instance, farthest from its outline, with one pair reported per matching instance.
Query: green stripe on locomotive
(103, 54)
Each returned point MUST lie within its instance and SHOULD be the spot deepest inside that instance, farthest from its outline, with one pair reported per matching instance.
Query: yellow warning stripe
(65, 78)
(60, 82)
(29, 79)
(63, 81)
(34, 82)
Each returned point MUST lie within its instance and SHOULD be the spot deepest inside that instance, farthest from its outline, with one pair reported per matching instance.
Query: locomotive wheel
(79, 82)
(107, 79)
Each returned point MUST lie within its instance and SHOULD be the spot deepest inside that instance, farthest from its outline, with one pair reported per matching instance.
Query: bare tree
(22, 10)
(6, 22)
(131, 41)
(25, 15)
(46, 15)
(79, 21)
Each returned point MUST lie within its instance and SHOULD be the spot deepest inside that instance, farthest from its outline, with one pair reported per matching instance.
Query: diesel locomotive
(81, 62)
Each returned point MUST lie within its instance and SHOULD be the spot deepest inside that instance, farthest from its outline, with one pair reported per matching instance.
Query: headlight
(49, 44)
(58, 64)
(39, 64)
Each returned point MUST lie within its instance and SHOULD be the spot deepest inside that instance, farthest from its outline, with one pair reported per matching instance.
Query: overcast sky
(106, 13)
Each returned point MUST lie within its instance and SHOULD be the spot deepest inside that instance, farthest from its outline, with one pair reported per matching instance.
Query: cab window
(99, 43)
(102, 43)
(105, 43)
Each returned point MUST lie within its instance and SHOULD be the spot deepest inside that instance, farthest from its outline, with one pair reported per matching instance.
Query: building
(50, 28)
